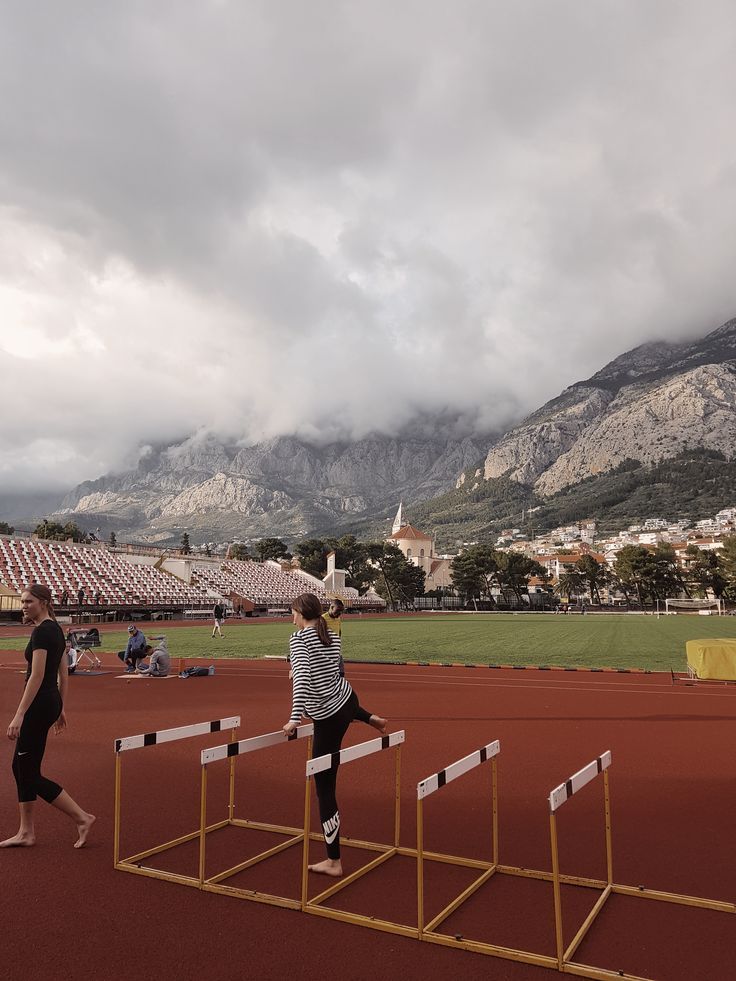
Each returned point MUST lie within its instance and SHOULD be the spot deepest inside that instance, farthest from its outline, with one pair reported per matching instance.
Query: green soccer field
(616, 641)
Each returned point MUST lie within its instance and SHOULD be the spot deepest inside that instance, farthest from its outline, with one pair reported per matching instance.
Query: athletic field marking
(171, 735)
(357, 752)
(454, 770)
(254, 743)
(578, 780)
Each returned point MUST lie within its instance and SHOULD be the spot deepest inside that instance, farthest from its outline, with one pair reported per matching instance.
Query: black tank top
(47, 636)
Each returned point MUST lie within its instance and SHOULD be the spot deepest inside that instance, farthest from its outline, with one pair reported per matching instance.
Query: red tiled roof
(409, 531)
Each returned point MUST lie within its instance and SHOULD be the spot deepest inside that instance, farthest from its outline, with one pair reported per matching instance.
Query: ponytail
(323, 633)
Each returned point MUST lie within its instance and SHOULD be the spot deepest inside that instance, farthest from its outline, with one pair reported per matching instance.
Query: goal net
(705, 607)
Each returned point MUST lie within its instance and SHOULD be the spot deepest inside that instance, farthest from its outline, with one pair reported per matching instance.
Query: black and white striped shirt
(318, 690)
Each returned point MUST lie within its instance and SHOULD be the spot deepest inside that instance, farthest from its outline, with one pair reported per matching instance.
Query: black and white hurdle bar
(127, 743)
(319, 765)
(294, 835)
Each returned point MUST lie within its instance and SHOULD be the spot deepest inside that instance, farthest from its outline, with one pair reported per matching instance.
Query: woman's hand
(60, 724)
(290, 727)
(14, 727)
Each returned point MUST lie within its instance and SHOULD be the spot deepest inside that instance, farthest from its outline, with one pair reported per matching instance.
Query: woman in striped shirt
(322, 693)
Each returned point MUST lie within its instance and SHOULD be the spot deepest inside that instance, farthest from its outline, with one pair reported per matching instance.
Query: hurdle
(386, 851)
(216, 883)
(559, 796)
(487, 868)
(133, 862)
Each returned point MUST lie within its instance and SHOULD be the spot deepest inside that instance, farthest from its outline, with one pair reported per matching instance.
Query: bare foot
(378, 723)
(330, 866)
(18, 841)
(83, 830)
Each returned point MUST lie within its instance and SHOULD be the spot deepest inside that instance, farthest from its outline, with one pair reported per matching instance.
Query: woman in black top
(41, 707)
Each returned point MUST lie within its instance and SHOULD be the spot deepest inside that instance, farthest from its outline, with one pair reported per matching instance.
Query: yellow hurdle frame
(386, 851)
(133, 862)
(564, 960)
(429, 931)
(294, 835)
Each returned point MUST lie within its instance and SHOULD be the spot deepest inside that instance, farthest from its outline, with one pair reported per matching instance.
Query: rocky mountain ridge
(282, 486)
(649, 404)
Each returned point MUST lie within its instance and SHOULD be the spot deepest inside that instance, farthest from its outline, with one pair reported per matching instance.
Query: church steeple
(399, 519)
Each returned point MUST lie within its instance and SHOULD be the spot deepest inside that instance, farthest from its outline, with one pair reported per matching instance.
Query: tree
(570, 584)
(207, 549)
(54, 531)
(352, 556)
(704, 572)
(113, 539)
(312, 555)
(594, 575)
(475, 572)
(514, 572)
(396, 579)
(186, 548)
(5, 528)
(667, 577)
(270, 548)
(652, 574)
(239, 552)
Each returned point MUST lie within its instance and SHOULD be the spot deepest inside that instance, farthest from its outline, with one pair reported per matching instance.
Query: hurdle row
(422, 929)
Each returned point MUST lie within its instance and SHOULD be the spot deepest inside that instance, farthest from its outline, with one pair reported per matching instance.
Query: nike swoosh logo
(331, 828)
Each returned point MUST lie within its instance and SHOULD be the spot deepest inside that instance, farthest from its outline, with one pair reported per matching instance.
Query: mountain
(282, 486)
(657, 403)
(649, 405)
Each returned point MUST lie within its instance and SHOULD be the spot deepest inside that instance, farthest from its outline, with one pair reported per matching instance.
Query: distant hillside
(694, 485)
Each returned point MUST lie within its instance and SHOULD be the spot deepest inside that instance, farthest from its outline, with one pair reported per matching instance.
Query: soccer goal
(704, 607)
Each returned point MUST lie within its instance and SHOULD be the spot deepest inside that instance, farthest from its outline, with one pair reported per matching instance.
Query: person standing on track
(41, 706)
(219, 615)
(322, 693)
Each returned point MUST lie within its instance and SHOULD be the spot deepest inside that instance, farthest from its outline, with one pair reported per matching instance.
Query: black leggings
(30, 746)
(328, 735)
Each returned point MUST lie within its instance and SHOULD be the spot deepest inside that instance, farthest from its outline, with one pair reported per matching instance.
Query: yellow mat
(715, 658)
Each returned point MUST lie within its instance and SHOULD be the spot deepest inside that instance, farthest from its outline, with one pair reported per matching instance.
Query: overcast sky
(323, 217)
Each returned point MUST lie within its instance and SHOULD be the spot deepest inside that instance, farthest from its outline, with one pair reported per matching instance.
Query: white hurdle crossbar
(127, 743)
(578, 780)
(320, 764)
(294, 835)
(228, 750)
(454, 770)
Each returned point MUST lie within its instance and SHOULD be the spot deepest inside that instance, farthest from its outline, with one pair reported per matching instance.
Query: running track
(672, 785)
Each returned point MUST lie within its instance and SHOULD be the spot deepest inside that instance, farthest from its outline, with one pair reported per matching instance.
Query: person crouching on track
(319, 691)
(159, 664)
(41, 706)
(135, 649)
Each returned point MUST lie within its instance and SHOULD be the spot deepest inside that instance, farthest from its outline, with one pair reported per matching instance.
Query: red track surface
(672, 785)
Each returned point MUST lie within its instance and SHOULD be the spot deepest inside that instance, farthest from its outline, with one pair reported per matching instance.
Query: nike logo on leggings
(331, 828)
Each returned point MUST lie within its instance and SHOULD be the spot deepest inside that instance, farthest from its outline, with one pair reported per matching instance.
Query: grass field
(571, 641)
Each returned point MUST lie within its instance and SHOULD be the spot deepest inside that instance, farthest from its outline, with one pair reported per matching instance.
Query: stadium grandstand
(269, 584)
(127, 582)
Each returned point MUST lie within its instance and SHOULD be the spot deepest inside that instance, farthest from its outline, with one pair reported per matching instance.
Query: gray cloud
(325, 218)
